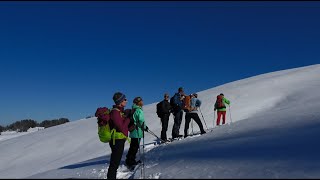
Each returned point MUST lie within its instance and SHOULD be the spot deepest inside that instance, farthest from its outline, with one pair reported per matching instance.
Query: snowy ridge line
(273, 135)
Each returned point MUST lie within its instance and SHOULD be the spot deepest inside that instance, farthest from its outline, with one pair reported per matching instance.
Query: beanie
(137, 100)
(118, 97)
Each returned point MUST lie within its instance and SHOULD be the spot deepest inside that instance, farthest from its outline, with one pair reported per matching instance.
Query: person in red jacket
(119, 120)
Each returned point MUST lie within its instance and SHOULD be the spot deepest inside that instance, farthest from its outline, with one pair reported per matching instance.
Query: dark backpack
(160, 109)
(131, 125)
(174, 105)
(219, 103)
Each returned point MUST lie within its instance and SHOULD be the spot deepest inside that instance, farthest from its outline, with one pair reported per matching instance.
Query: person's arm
(226, 101)
(169, 107)
(163, 106)
(140, 120)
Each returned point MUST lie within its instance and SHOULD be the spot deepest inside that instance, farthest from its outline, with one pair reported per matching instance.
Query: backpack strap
(112, 133)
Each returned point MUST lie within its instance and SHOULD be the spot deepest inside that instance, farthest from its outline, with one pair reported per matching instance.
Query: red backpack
(103, 115)
(219, 102)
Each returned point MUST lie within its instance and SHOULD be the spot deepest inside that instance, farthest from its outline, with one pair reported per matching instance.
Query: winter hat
(221, 94)
(137, 100)
(118, 97)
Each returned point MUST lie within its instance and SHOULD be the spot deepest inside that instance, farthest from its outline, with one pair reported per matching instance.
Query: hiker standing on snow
(163, 111)
(220, 106)
(176, 103)
(193, 113)
(136, 134)
(119, 120)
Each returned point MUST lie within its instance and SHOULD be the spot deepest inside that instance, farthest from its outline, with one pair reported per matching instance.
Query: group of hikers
(189, 104)
(123, 121)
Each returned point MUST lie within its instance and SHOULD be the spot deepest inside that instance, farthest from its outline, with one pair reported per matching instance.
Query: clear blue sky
(65, 59)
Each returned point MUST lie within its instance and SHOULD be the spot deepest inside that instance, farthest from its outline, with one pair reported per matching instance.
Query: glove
(127, 112)
(146, 128)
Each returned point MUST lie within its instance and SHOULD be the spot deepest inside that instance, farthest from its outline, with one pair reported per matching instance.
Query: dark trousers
(131, 156)
(164, 122)
(196, 119)
(177, 122)
(115, 159)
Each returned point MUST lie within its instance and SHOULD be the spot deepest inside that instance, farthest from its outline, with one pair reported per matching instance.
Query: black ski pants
(196, 118)
(131, 156)
(115, 159)
(164, 122)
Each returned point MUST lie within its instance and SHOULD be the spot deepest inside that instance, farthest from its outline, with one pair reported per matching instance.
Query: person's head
(138, 101)
(120, 99)
(195, 95)
(166, 96)
(221, 94)
(180, 90)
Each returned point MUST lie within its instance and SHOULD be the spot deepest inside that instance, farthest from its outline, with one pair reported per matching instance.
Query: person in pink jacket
(119, 119)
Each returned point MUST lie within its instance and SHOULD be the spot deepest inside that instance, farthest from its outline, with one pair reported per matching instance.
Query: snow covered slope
(274, 134)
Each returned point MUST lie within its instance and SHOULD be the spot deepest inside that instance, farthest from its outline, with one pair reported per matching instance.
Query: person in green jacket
(220, 106)
(137, 133)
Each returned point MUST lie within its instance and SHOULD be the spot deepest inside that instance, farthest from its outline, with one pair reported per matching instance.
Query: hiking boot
(130, 163)
(185, 136)
(164, 139)
(129, 166)
(203, 132)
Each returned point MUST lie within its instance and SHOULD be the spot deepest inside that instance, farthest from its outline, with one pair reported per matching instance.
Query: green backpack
(104, 132)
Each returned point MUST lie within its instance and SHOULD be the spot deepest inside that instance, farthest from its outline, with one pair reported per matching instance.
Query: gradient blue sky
(65, 59)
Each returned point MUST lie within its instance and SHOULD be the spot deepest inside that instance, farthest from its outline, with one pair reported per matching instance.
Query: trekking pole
(142, 169)
(214, 118)
(144, 172)
(192, 126)
(140, 152)
(203, 118)
(152, 133)
(230, 113)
